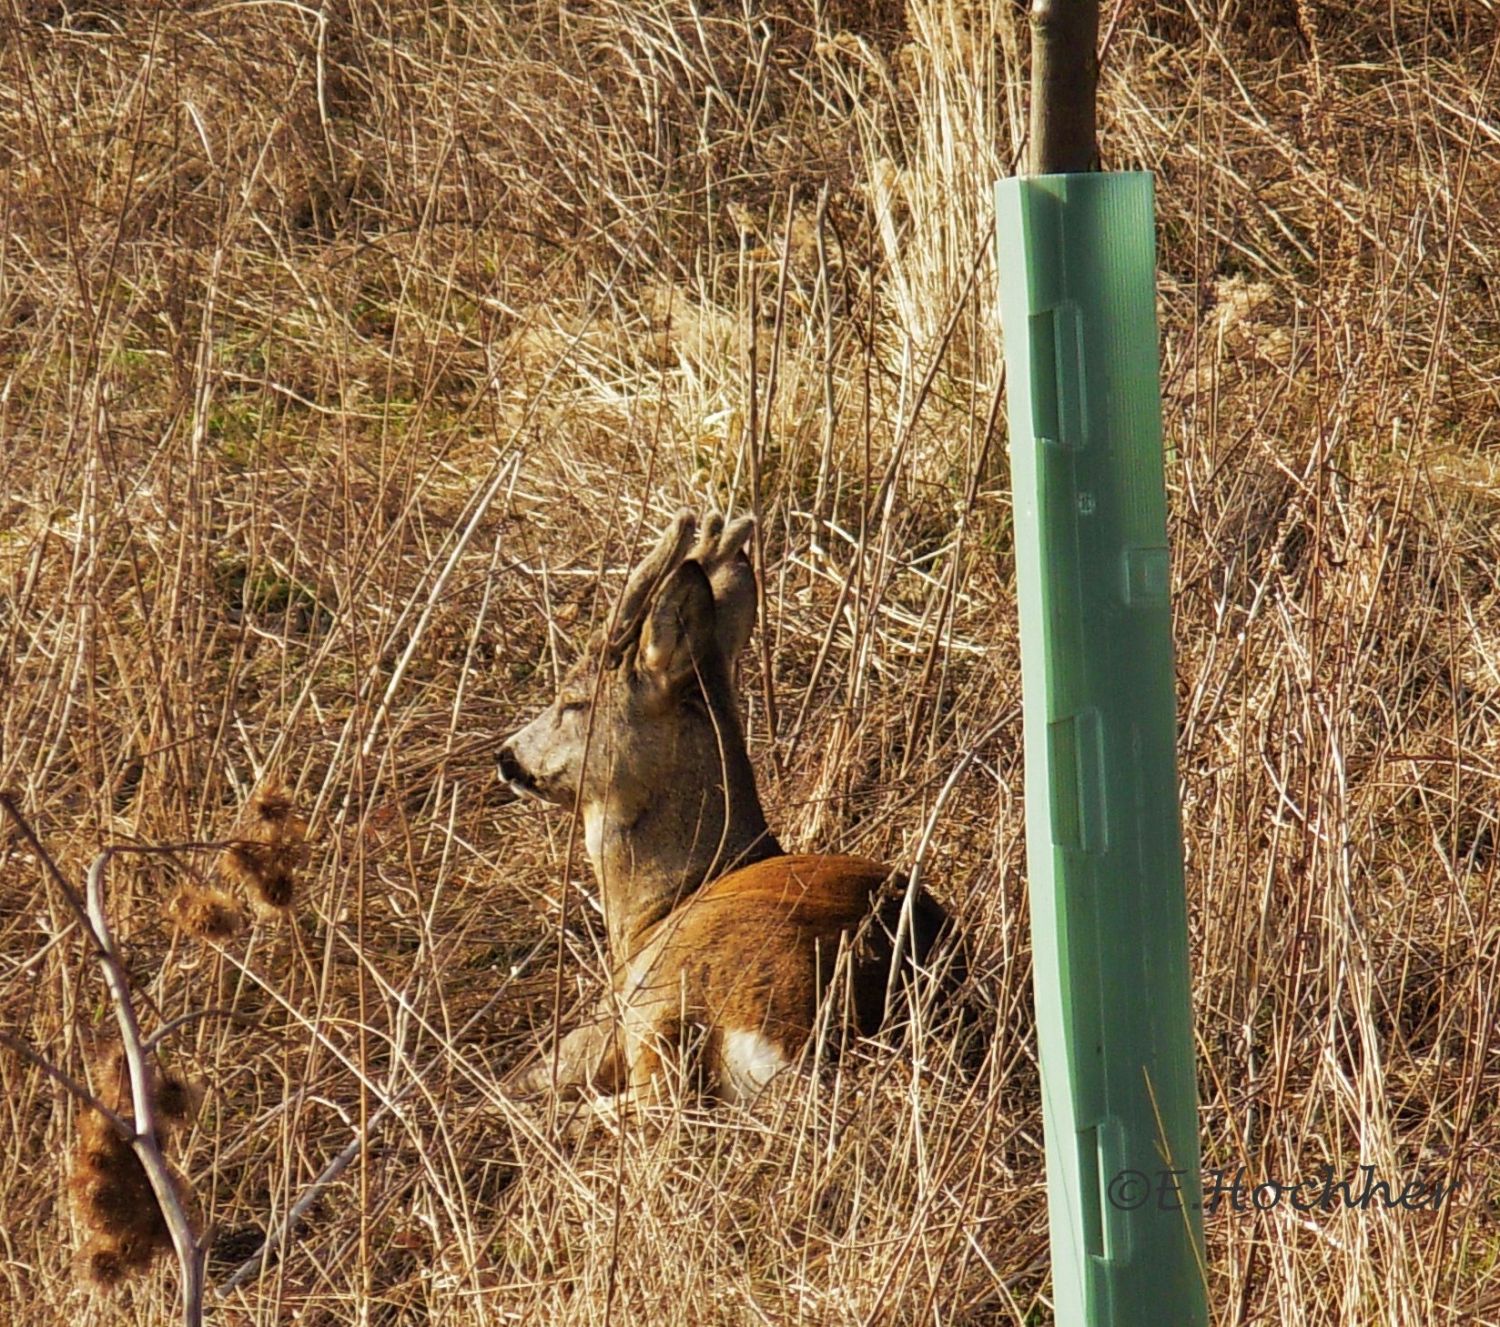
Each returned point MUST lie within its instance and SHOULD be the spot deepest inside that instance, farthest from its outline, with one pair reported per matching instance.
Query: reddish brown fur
(753, 952)
(758, 947)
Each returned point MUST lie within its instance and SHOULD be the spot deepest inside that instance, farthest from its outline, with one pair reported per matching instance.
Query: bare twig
(145, 1139)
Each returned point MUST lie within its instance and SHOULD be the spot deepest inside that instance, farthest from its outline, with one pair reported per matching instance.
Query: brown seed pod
(271, 817)
(102, 1262)
(208, 914)
(137, 1250)
(111, 1193)
(98, 1143)
(112, 1079)
(271, 838)
(177, 1098)
(267, 871)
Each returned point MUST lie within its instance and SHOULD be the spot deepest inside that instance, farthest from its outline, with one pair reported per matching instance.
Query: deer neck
(650, 852)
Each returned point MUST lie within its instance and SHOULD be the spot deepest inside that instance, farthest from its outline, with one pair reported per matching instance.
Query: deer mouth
(521, 781)
(529, 791)
(514, 776)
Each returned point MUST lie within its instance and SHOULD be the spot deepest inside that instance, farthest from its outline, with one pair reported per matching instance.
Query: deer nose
(509, 769)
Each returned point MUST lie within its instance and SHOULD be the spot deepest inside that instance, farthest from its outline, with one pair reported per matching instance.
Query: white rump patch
(748, 1061)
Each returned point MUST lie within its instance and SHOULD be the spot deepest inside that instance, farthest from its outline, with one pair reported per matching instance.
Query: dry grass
(337, 358)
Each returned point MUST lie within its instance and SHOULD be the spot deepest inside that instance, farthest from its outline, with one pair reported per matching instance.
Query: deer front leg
(590, 1061)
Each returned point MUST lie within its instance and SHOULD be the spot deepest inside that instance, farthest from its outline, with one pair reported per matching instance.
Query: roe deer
(717, 937)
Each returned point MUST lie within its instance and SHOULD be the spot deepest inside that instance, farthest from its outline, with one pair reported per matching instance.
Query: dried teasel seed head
(269, 851)
(103, 1263)
(270, 817)
(267, 871)
(177, 1098)
(113, 1196)
(112, 1079)
(99, 1147)
(208, 914)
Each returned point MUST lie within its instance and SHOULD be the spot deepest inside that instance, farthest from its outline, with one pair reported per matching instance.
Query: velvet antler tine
(662, 560)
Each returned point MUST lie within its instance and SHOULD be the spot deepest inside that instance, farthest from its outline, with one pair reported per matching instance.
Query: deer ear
(678, 633)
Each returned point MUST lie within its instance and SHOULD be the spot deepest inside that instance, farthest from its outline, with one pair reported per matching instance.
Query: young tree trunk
(1064, 77)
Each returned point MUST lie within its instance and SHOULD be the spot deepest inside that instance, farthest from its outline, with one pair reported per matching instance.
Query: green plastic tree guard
(1104, 847)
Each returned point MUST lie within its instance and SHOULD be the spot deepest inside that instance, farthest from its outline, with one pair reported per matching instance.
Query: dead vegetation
(346, 351)
(112, 1197)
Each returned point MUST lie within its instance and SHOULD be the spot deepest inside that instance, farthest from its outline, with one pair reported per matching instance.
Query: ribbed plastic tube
(1104, 845)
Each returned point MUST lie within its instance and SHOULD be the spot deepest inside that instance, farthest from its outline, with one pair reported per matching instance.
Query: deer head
(644, 736)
